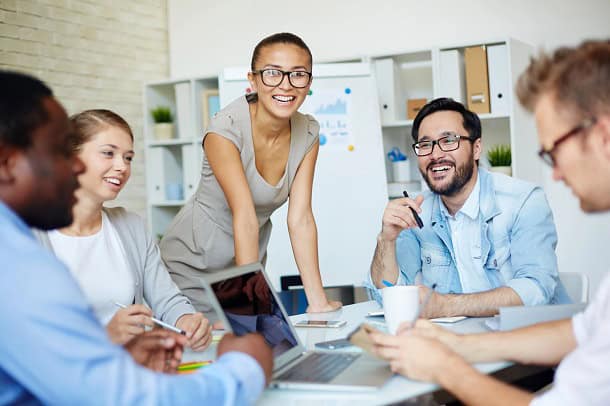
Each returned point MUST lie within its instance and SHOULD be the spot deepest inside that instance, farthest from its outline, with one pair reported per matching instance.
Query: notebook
(245, 302)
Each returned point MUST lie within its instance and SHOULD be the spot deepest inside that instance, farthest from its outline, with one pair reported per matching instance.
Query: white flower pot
(163, 131)
(401, 171)
(507, 170)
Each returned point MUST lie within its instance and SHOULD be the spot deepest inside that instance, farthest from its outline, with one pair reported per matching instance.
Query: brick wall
(93, 54)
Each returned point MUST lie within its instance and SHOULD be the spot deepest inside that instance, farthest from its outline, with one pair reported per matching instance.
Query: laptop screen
(250, 307)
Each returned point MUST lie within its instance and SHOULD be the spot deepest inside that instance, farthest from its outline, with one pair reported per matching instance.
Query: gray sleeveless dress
(200, 238)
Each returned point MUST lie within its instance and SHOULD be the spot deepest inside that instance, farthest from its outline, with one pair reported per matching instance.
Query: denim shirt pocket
(497, 264)
(436, 267)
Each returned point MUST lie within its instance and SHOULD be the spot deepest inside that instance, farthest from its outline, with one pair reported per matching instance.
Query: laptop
(246, 303)
(521, 316)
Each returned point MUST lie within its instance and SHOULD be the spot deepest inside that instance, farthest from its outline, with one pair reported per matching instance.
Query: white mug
(400, 304)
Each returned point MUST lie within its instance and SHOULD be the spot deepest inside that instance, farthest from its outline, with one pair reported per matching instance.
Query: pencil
(189, 366)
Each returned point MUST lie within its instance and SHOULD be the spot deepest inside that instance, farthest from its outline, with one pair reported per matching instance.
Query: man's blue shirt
(518, 240)
(54, 351)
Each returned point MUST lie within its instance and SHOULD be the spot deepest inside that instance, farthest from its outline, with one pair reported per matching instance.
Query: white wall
(207, 36)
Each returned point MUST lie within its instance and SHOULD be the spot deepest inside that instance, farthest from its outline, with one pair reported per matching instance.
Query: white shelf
(492, 116)
(398, 123)
(416, 65)
(395, 189)
(409, 123)
(168, 203)
(175, 141)
(173, 166)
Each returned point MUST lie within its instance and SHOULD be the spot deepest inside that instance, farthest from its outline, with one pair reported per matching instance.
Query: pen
(387, 283)
(420, 223)
(158, 322)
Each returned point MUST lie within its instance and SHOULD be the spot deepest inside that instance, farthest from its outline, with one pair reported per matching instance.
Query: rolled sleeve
(533, 242)
(528, 290)
(374, 292)
(408, 260)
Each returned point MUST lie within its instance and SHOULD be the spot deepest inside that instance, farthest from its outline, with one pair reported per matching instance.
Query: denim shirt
(518, 240)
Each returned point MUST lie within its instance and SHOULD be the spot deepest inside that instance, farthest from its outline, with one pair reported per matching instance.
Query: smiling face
(283, 100)
(581, 162)
(447, 172)
(107, 155)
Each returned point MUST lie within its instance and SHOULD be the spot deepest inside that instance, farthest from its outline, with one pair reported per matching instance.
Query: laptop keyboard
(318, 367)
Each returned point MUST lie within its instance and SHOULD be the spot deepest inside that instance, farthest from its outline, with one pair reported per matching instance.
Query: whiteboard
(350, 185)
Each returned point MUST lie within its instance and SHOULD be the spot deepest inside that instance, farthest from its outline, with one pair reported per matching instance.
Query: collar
(471, 205)
(6, 213)
(482, 199)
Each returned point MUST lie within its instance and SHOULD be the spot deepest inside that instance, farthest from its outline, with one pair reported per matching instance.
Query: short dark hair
(279, 38)
(577, 77)
(21, 107)
(470, 121)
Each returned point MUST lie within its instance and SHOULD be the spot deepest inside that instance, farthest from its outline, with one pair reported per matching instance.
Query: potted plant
(499, 158)
(164, 127)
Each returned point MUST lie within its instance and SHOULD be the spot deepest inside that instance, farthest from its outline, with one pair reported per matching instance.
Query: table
(397, 389)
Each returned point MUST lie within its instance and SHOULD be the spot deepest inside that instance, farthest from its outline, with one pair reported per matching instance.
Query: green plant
(499, 155)
(162, 115)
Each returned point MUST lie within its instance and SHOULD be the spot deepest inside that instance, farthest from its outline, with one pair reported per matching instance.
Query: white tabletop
(396, 389)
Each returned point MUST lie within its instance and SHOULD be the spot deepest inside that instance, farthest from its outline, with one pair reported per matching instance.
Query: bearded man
(487, 240)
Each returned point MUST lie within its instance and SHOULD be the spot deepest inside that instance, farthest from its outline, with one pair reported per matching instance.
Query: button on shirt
(466, 240)
(54, 351)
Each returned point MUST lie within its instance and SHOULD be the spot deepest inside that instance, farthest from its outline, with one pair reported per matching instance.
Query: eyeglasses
(273, 77)
(548, 155)
(450, 142)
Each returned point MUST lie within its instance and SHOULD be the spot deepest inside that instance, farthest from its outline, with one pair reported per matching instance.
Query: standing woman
(258, 152)
(108, 250)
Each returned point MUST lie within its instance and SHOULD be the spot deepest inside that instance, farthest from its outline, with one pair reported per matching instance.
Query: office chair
(577, 286)
(293, 296)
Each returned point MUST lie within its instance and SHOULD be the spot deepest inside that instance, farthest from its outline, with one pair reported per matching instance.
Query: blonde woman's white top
(99, 264)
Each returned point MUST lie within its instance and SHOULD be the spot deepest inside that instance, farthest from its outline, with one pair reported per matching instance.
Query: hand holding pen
(400, 214)
(420, 223)
(131, 321)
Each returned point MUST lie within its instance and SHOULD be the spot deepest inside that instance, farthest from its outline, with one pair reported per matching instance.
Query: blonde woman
(108, 250)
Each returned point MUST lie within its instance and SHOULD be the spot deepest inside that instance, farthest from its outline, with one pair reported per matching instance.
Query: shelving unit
(440, 72)
(173, 166)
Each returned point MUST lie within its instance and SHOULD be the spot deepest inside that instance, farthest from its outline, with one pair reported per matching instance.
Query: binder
(156, 175)
(192, 156)
(451, 75)
(184, 110)
(166, 170)
(499, 89)
(477, 81)
(388, 87)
